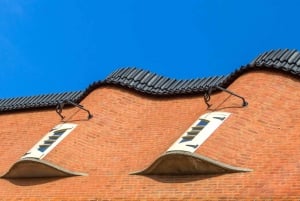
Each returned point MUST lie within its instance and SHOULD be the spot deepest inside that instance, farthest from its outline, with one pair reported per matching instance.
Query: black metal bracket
(60, 105)
(207, 97)
(208, 93)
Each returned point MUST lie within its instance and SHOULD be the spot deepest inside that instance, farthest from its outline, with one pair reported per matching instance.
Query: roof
(287, 61)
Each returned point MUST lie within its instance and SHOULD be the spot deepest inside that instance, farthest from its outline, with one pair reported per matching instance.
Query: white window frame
(56, 135)
(192, 139)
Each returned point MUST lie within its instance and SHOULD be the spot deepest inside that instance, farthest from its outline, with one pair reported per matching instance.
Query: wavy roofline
(284, 61)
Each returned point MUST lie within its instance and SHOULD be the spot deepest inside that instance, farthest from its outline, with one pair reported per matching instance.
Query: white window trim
(215, 120)
(34, 152)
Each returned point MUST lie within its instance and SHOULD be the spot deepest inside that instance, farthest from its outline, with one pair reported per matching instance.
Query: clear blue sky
(49, 46)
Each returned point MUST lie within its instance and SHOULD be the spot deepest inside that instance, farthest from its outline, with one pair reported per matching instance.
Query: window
(49, 141)
(199, 132)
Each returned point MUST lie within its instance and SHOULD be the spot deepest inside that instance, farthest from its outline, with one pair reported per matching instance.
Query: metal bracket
(60, 105)
(207, 97)
(208, 93)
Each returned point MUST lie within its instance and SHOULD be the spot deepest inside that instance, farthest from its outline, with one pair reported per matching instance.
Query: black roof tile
(150, 83)
(294, 58)
(287, 55)
(140, 75)
(147, 77)
(265, 55)
(166, 85)
(37, 101)
(154, 80)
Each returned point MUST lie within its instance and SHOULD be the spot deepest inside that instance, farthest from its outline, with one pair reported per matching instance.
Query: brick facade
(129, 130)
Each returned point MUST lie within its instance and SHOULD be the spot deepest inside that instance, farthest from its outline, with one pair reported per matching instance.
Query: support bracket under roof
(60, 105)
(208, 93)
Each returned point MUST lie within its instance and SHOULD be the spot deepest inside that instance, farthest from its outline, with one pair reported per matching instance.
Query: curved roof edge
(287, 61)
(184, 163)
(34, 168)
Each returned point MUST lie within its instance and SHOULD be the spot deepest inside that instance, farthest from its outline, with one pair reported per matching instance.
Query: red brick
(130, 130)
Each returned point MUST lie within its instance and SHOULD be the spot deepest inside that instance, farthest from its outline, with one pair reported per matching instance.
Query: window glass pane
(203, 122)
(43, 148)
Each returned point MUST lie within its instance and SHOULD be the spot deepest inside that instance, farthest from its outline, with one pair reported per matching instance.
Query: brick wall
(130, 130)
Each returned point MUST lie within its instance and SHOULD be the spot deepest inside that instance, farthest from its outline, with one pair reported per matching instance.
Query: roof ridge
(283, 60)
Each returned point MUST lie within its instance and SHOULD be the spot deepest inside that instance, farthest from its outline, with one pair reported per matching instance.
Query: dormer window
(199, 132)
(49, 141)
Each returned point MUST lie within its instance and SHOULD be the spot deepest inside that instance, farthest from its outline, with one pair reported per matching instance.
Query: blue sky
(49, 46)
